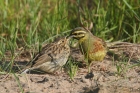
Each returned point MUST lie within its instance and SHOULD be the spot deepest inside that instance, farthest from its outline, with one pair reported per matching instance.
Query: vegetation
(31, 23)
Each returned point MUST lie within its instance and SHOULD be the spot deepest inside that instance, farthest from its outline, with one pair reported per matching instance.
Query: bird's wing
(41, 59)
(98, 44)
(101, 41)
(43, 56)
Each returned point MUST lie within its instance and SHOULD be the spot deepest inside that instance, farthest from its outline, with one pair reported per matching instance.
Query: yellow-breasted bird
(93, 48)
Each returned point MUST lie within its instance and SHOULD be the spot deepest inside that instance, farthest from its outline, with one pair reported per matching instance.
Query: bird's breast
(93, 50)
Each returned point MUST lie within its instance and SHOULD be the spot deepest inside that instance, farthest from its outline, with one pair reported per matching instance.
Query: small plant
(18, 81)
(124, 65)
(121, 68)
(71, 68)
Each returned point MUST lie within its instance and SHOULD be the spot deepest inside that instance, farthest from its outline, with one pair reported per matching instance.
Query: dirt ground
(106, 80)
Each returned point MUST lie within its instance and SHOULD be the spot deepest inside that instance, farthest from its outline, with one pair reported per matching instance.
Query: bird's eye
(62, 41)
(76, 33)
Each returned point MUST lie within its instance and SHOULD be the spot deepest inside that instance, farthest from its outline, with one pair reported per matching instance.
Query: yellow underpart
(98, 56)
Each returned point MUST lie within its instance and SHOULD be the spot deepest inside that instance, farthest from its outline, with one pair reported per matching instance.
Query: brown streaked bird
(120, 50)
(93, 48)
(52, 57)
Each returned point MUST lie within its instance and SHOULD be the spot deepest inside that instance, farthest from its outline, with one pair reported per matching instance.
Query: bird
(121, 50)
(52, 57)
(92, 47)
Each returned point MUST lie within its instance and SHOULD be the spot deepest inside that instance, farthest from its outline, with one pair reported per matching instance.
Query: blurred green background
(29, 23)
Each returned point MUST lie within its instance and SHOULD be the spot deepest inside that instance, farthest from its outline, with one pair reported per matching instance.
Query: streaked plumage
(52, 56)
(124, 49)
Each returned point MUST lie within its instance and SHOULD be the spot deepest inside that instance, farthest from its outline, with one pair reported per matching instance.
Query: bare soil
(106, 79)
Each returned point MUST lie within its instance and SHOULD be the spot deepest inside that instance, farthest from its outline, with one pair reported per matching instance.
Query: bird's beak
(69, 37)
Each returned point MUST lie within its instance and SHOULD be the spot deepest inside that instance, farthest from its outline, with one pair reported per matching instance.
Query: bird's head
(79, 33)
(64, 40)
